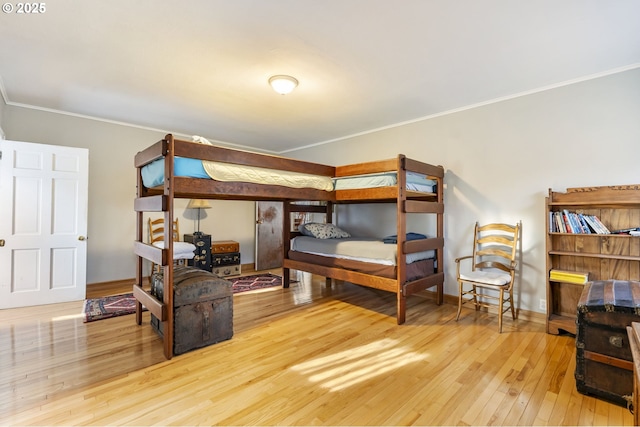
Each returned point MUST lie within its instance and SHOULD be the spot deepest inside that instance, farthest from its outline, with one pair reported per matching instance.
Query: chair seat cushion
(488, 277)
(181, 250)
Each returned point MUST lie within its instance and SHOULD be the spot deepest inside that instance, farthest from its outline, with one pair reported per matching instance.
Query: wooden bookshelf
(604, 256)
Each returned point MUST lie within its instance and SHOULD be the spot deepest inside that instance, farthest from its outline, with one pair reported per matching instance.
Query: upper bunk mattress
(415, 181)
(153, 174)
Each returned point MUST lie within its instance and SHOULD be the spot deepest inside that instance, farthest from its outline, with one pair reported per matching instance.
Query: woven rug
(120, 305)
(256, 281)
(111, 306)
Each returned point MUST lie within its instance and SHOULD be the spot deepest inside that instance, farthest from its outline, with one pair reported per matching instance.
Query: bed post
(167, 278)
(286, 241)
(329, 218)
(401, 232)
(440, 231)
(139, 232)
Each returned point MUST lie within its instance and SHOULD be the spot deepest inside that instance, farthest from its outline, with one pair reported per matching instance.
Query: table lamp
(198, 204)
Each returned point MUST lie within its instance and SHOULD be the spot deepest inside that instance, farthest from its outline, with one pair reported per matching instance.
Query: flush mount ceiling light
(283, 84)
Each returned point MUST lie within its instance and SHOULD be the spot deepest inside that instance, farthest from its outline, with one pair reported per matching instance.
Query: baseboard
(122, 282)
(529, 316)
(248, 268)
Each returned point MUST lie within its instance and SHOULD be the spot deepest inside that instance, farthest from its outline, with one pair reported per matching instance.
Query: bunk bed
(169, 156)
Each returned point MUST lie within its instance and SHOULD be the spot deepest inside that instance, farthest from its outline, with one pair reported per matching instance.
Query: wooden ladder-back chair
(493, 266)
(156, 230)
(156, 235)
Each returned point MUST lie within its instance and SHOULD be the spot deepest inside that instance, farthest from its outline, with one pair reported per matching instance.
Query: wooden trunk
(203, 308)
(604, 365)
(634, 342)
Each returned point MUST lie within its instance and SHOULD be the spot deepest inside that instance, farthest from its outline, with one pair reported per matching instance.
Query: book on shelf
(602, 229)
(566, 221)
(576, 225)
(584, 224)
(594, 226)
(578, 277)
(559, 223)
(634, 231)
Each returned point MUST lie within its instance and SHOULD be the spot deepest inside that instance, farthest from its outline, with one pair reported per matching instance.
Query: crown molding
(472, 106)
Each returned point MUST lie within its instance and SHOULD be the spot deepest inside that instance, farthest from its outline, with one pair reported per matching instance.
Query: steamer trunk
(604, 366)
(225, 246)
(203, 308)
(231, 258)
(228, 270)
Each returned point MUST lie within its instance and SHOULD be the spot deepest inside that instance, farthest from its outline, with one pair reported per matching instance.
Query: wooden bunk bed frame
(160, 199)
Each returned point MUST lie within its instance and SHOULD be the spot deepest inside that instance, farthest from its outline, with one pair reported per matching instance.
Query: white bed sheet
(415, 181)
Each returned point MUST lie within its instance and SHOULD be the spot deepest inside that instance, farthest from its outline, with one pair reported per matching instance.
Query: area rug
(111, 306)
(256, 281)
(120, 305)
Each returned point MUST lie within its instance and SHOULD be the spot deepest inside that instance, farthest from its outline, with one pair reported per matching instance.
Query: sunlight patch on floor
(302, 293)
(347, 368)
(68, 317)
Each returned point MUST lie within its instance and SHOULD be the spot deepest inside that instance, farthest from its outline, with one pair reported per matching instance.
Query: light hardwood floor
(308, 355)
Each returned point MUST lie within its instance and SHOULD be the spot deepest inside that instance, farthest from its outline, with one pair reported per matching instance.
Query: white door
(43, 223)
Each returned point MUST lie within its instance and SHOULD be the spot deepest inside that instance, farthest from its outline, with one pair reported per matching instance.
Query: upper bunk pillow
(322, 231)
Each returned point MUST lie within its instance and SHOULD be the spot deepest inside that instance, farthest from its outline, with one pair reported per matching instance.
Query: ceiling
(201, 66)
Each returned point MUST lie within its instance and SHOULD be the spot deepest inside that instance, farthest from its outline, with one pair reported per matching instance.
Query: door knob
(259, 221)
(1, 242)
(82, 238)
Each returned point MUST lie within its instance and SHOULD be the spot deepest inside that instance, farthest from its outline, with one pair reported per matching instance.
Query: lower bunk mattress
(370, 256)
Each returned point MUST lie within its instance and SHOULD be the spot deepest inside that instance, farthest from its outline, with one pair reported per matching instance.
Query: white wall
(2, 107)
(501, 159)
(112, 189)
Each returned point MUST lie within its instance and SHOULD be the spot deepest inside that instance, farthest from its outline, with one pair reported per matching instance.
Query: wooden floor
(308, 355)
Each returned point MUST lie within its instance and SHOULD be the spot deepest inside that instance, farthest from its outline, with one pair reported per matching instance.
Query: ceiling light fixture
(283, 84)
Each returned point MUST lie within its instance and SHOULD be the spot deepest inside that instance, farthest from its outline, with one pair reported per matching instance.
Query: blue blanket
(410, 236)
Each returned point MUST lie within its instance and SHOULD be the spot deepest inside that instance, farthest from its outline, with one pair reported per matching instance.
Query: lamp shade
(198, 204)
(283, 84)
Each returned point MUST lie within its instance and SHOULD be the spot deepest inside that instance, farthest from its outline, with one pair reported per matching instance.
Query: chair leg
(459, 300)
(475, 298)
(500, 310)
(513, 310)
